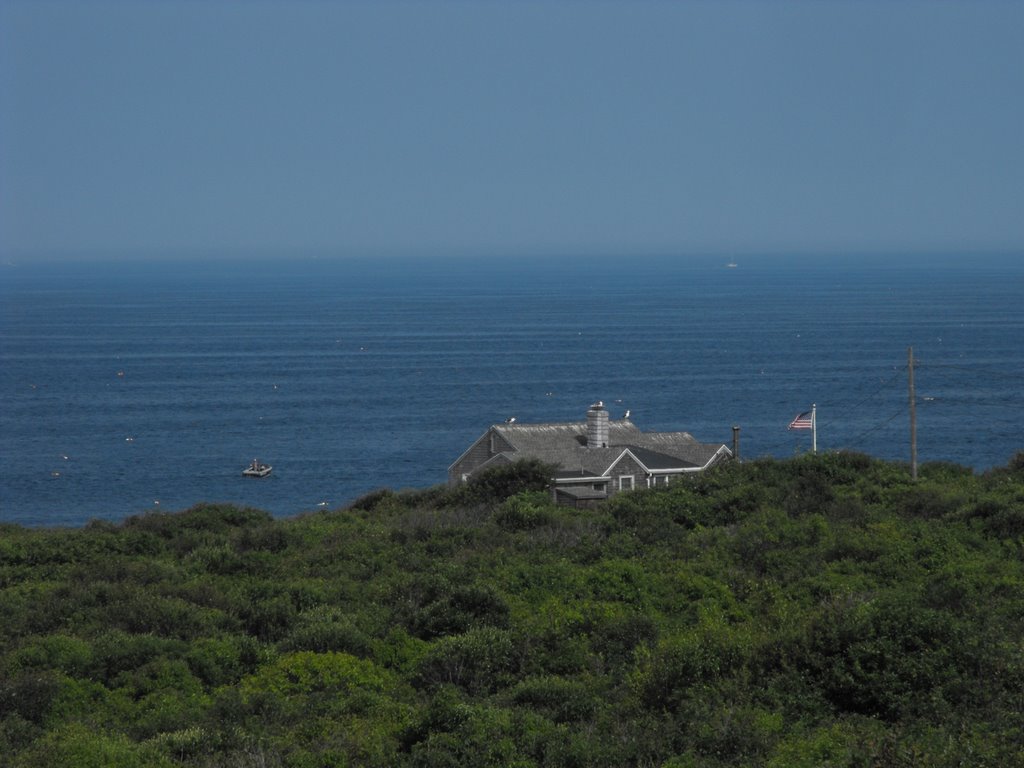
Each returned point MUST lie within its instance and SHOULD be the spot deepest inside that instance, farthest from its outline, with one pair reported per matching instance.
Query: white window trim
(622, 482)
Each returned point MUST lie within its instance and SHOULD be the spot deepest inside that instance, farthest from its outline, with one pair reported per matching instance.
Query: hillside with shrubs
(818, 611)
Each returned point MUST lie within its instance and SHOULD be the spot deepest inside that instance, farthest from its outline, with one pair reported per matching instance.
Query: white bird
(627, 414)
(510, 420)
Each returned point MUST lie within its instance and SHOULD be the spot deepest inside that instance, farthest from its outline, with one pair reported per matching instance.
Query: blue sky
(499, 128)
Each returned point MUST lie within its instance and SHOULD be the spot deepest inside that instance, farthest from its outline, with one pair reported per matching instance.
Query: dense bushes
(818, 611)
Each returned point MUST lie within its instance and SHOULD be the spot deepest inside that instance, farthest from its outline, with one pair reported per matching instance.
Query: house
(595, 458)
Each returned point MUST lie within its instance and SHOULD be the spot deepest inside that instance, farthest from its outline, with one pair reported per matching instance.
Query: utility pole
(913, 414)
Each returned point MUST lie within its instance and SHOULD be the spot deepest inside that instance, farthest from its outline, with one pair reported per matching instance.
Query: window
(625, 482)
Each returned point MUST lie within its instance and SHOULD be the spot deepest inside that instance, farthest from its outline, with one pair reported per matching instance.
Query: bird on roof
(510, 420)
(627, 414)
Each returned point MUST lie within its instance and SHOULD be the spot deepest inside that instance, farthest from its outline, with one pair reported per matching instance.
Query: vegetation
(821, 611)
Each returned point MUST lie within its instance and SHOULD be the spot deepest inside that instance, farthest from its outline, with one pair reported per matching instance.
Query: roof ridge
(519, 424)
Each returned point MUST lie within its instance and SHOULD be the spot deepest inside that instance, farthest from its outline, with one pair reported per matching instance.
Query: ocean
(146, 386)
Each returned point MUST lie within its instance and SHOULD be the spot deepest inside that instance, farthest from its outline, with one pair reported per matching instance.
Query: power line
(844, 408)
(972, 369)
(888, 382)
(872, 430)
(941, 371)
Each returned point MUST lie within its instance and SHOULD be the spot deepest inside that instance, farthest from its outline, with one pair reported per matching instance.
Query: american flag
(803, 421)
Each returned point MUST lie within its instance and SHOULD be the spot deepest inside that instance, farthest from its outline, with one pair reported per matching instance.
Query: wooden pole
(913, 414)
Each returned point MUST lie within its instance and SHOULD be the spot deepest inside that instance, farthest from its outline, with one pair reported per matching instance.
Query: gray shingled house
(595, 458)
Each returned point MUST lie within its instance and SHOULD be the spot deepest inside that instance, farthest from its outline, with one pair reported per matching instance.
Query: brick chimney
(597, 426)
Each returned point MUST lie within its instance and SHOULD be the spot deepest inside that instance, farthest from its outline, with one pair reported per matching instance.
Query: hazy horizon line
(141, 257)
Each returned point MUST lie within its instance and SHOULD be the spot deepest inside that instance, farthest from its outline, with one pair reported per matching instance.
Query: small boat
(256, 469)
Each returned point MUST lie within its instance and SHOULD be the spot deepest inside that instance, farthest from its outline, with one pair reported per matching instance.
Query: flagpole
(814, 428)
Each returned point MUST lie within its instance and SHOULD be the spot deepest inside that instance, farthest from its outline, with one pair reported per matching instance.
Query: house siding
(627, 466)
(489, 445)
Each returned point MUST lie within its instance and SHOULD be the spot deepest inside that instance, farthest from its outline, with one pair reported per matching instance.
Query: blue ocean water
(131, 387)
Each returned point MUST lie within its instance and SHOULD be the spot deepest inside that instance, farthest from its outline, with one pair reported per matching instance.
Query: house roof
(582, 494)
(564, 445)
(656, 460)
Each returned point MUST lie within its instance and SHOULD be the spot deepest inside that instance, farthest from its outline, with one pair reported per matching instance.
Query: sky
(159, 128)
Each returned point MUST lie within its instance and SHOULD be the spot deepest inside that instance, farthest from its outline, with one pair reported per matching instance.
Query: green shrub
(58, 652)
(370, 501)
(116, 652)
(269, 618)
(494, 485)
(616, 639)
(213, 518)
(323, 629)
(929, 501)
(28, 694)
(889, 658)
(221, 660)
(681, 666)
(1005, 521)
(525, 511)
(481, 661)
(76, 745)
(434, 606)
(556, 698)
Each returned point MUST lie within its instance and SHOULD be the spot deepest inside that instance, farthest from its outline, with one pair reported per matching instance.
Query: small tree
(497, 484)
